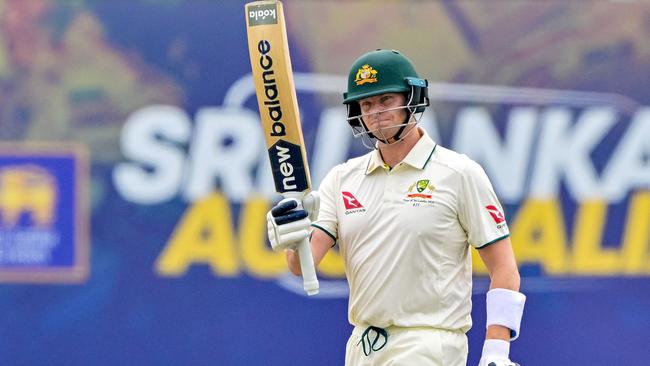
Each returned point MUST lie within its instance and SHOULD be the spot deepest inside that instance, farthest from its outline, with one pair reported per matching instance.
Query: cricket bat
(276, 96)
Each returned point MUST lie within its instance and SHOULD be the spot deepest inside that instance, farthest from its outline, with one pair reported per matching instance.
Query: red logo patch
(496, 214)
(350, 201)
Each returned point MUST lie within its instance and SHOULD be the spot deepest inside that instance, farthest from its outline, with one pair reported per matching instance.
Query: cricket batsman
(404, 217)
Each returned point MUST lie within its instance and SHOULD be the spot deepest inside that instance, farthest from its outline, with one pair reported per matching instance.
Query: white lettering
(286, 182)
(262, 14)
(332, 143)
(282, 153)
(286, 169)
(225, 148)
(151, 139)
(532, 153)
(505, 162)
(629, 166)
(564, 151)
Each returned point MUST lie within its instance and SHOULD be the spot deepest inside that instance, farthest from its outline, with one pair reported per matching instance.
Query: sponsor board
(545, 161)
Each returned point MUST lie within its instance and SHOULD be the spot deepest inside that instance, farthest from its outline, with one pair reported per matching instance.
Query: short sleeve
(480, 212)
(327, 220)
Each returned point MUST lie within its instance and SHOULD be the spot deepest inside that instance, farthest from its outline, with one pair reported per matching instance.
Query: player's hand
(311, 204)
(289, 221)
(495, 353)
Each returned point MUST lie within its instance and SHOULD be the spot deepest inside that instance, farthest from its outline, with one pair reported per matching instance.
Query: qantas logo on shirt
(351, 203)
(497, 216)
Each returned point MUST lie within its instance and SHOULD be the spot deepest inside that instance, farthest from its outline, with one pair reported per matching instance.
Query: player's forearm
(320, 245)
(293, 262)
(507, 278)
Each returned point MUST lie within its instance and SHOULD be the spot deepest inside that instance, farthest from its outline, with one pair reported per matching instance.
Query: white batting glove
(288, 223)
(495, 353)
(311, 203)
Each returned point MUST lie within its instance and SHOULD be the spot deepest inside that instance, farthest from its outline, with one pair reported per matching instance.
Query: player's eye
(387, 100)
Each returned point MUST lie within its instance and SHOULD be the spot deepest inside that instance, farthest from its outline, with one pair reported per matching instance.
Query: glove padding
(495, 353)
(288, 223)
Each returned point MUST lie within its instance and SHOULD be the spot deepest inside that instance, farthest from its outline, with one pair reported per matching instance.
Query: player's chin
(386, 133)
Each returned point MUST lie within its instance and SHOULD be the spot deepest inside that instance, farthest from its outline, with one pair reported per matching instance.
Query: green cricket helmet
(379, 72)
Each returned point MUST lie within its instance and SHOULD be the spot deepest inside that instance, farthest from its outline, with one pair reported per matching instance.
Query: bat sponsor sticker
(262, 14)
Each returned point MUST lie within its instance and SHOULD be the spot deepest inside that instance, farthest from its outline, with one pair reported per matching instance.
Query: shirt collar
(418, 157)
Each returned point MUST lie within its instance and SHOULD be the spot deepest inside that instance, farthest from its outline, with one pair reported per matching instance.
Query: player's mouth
(382, 123)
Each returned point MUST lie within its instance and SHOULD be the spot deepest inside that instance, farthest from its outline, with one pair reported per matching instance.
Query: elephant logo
(27, 189)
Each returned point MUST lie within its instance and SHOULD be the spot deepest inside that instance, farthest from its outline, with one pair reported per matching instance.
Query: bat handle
(309, 279)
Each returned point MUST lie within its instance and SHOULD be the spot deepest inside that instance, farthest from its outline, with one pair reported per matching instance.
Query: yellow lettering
(588, 255)
(203, 235)
(636, 239)
(538, 235)
(260, 260)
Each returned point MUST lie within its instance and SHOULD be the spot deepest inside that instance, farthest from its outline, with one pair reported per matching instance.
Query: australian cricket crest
(420, 193)
(366, 74)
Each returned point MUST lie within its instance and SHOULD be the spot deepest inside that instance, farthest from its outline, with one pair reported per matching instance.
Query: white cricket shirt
(404, 234)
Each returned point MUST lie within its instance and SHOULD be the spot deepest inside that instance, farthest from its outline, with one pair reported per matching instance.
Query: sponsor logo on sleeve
(497, 216)
(351, 203)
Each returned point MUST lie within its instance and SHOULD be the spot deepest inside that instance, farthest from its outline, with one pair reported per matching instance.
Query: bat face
(276, 95)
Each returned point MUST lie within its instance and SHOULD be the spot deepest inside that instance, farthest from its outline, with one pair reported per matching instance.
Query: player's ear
(354, 110)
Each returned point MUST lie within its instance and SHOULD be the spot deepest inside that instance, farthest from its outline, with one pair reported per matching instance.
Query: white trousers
(421, 346)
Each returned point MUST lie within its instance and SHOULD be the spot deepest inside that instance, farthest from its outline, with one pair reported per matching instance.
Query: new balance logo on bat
(288, 167)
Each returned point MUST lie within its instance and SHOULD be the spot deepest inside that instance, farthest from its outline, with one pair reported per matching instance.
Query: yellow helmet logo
(366, 75)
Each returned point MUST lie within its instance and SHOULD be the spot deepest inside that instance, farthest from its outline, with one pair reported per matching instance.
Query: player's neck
(393, 154)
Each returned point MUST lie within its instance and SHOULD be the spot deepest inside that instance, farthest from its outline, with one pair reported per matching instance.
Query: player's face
(378, 113)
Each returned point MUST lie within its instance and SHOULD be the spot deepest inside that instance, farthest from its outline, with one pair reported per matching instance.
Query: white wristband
(505, 308)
